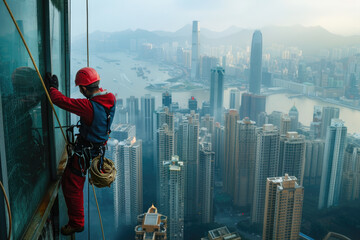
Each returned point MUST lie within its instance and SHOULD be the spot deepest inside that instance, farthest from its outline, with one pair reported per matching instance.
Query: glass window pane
(56, 13)
(23, 110)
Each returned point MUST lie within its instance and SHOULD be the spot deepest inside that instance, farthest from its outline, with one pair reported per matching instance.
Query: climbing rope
(8, 208)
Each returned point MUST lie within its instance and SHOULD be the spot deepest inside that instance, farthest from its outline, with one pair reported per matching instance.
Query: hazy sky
(337, 16)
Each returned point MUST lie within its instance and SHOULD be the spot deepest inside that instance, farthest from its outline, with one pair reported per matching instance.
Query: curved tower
(255, 63)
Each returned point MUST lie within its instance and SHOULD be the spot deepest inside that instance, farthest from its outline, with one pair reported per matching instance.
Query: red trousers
(72, 186)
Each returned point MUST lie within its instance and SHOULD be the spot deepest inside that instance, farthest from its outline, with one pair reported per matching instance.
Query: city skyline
(335, 16)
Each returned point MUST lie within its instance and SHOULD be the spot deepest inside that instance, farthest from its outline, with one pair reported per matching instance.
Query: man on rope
(96, 114)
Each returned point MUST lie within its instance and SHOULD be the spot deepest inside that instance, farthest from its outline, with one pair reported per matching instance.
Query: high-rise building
(147, 117)
(285, 124)
(205, 108)
(313, 163)
(205, 181)
(294, 116)
(217, 93)
(255, 63)
(188, 151)
(350, 184)
(328, 113)
(122, 132)
(219, 147)
(283, 208)
(164, 150)
(267, 162)
(166, 99)
(230, 155)
(129, 178)
(132, 105)
(208, 122)
(163, 115)
(234, 99)
(252, 105)
(222, 233)
(275, 118)
(122, 115)
(195, 51)
(262, 119)
(192, 104)
(332, 164)
(175, 189)
(152, 225)
(112, 153)
(292, 155)
(245, 165)
(207, 63)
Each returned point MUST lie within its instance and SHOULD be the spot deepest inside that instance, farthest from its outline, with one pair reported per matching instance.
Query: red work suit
(72, 184)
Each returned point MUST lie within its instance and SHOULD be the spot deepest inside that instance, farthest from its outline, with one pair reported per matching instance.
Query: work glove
(51, 81)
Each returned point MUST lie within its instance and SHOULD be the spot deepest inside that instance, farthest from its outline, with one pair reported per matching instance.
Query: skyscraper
(112, 153)
(294, 116)
(164, 149)
(252, 105)
(147, 117)
(192, 104)
(132, 105)
(234, 99)
(230, 155)
(219, 147)
(313, 162)
(275, 118)
(285, 124)
(217, 93)
(195, 51)
(129, 176)
(332, 164)
(292, 155)
(188, 150)
(283, 208)
(267, 162)
(245, 165)
(166, 99)
(255, 63)
(152, 225)
(328, 113)
(205, 181)
(175, 188)
(350, 184)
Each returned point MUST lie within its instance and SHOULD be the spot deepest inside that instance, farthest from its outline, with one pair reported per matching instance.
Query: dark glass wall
(28, 139)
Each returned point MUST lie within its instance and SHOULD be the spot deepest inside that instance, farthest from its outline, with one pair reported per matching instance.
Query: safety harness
(91, 141)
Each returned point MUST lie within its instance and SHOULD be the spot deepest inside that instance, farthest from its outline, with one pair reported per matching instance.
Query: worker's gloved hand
(51, 81)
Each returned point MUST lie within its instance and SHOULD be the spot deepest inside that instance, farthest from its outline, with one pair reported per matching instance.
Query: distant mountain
(310, 39)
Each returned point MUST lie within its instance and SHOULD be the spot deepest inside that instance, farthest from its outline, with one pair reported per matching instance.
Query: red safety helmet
(86, 76)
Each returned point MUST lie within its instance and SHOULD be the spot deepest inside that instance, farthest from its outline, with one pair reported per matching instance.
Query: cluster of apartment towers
(262, 159)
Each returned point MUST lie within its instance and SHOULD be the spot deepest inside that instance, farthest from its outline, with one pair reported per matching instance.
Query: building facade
(217, 93)
(195, 51)
(292, 155)
(255, 63)
(129, 178)
(332, 164)
(147, 117)
(267, 163)
(283, 208)
(245, 164)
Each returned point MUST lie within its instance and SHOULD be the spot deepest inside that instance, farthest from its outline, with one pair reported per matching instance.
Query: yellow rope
(36, 68)
(8, 208)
